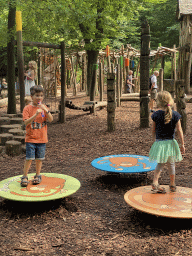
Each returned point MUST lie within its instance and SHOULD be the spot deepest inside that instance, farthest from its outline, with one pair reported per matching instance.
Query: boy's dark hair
(36, 89)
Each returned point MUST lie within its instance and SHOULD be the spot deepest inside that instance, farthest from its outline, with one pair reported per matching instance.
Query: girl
(30, 77)
(165, 149)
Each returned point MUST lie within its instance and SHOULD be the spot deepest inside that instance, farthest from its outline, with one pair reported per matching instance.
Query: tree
(11, 58)
(89, 24)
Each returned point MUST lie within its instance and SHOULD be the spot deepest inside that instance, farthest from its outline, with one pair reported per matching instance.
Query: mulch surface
(95, 220)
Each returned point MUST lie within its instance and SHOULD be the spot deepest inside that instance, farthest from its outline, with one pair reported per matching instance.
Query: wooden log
(111, 95)
(6, 128)
(111, 106)
(100, 82)
(10, 115)
(4, 137)
(144, 77)
(4, 120)
(62, 117)
(118, 85)
(16, 132)
(181, 104)
(2, 148)
(111, 121)
(19, 138)
(130, 99)
(23, 148)
(20, 60)
(111, 102)
(13, 148)
(16, 120)
(160, 79)
(19, 114)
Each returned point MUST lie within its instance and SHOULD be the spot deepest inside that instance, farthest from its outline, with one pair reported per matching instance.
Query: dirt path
(95, 220)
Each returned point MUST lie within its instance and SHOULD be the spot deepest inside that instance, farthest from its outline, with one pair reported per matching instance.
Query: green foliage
(163, 25)
(94, 23)
(167, 70)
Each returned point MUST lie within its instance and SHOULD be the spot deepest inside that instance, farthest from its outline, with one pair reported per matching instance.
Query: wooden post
(163, 62)
(11, 58)
(144, 75)
(121, 75)
(174, 64)
(118, 85)
(161, 79)
(101, 86)
(126, 72)
(111, 102)
(84, 72)
(108, 59)
(63, 85)
(93, 85)
(188, 60)
(180, 102)
(137, 84)
(20, 61)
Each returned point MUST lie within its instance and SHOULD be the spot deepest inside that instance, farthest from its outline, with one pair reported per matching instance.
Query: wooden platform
(124, 164)
(53, 186)
(87, 106)
(172, 204)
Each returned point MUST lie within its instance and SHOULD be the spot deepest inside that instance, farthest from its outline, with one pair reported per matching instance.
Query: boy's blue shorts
(35, 151)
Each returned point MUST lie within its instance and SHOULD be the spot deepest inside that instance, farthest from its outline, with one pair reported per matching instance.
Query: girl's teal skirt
(163, 151)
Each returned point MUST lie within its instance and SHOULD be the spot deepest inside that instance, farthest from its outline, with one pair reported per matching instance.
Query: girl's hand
(182, 149)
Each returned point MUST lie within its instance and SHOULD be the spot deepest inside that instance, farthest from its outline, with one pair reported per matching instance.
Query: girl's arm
(153, 131)
(180, 133)
(32, 75)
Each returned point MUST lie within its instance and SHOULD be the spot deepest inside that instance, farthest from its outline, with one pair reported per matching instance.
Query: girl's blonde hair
(165, 100)
(34, 66)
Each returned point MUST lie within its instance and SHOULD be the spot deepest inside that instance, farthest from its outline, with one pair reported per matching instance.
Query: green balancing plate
(53, 186)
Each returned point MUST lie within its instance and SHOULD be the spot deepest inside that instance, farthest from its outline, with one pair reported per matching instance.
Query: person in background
(129, 82)
(153, 90)
(4, 84)
(30, 77)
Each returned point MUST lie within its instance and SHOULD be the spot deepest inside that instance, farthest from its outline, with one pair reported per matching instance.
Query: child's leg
(157, 172)
(26, 167)
(171, 167)
(24, 178)
(38, 166)
(39, 155)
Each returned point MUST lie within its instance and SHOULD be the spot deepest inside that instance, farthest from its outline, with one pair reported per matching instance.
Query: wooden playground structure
(60, 69)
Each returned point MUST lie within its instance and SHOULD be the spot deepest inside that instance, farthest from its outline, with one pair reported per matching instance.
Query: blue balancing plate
(124, 164)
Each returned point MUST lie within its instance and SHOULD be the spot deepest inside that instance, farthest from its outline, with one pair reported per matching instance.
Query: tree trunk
(92, 59)
(11, 58)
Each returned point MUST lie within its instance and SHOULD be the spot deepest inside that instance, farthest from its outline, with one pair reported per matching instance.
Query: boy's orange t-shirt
(36, 132)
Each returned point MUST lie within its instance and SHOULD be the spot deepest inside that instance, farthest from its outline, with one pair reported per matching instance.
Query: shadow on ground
(28, 209)
(114, 181)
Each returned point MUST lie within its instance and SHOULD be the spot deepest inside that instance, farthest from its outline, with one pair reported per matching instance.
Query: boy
(34, 117)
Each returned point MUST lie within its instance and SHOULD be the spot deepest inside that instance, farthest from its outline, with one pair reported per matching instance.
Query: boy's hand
(39, 110)
(43, 107)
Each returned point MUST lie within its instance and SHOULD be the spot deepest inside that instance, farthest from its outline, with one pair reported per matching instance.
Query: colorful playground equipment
(53, 186)
(172, 204)
(124, 164)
